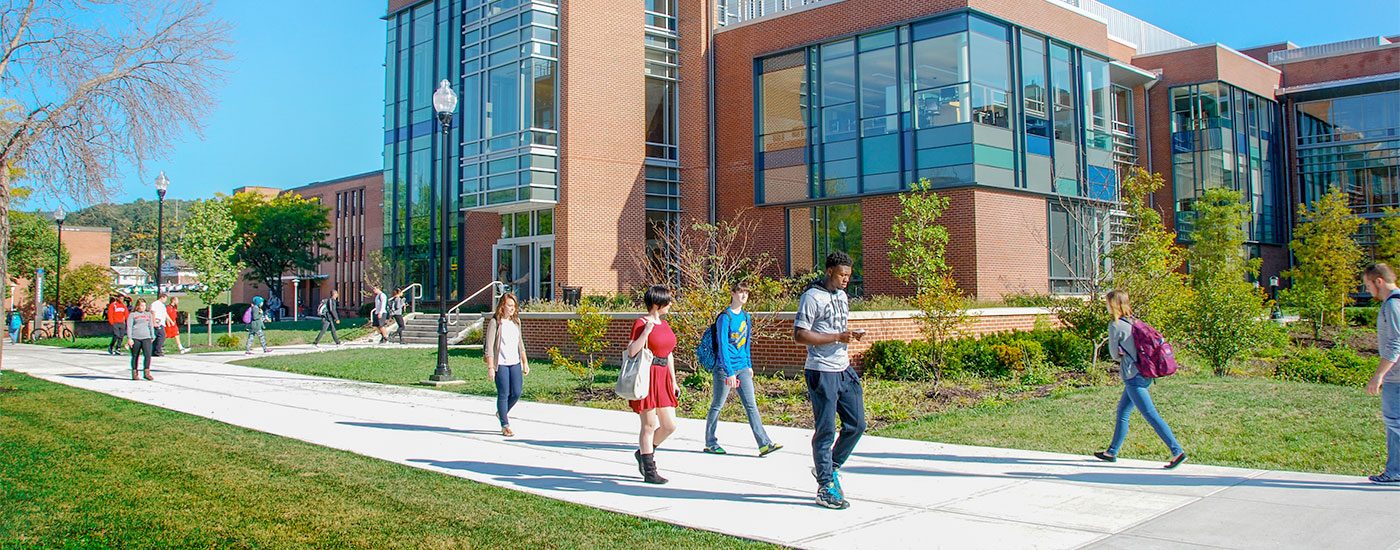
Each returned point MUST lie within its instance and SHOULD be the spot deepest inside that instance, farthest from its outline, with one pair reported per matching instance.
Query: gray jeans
(721, 394)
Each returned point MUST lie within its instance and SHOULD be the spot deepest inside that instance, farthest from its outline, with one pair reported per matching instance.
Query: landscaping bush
(1363, 316)
(1340, 366)
(228, 341)
(1030, 299)
(1064, 349)
(971, 357)
(898, 360)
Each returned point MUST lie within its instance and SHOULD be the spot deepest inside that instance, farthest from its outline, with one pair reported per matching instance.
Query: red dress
(171, 330)
(661, 342)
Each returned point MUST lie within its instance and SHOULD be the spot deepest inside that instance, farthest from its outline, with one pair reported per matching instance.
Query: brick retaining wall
(542, 331)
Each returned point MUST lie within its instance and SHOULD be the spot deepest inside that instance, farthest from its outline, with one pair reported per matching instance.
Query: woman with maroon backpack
(1124, 349)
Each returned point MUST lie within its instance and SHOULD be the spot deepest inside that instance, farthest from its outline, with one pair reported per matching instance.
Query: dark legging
(327, 324)
(510, 381)
(118, 335)
(138, 347)
(398, 320)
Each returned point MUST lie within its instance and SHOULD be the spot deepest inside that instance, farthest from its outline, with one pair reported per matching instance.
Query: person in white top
(506, 362)
(162, 318)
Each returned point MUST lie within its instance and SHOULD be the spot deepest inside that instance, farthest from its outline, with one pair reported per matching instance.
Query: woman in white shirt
(505, 357)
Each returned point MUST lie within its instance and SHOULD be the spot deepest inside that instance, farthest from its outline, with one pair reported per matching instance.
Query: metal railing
(497, 289)
(414, 296)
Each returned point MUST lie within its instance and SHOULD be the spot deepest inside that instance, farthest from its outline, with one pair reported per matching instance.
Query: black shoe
(1176, 461)
(1385, 479)
(638, 454)
(1101, 455)
(649, 474)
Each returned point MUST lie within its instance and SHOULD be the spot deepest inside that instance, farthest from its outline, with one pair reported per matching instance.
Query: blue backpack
(707, 351)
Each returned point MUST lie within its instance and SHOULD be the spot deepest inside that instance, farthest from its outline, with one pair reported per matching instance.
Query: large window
(991, 72)
(814, 232)
(1352, 143)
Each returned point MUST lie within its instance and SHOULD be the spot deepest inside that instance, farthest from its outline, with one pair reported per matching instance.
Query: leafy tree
(1147, 264)
(283, 235)
(588, 332)
(134, 228)
(89, 285)
(208, 244)
(379, 270)
(1226, 314)
(31, 246)
(1328, 260)
(1388, 237)
(917, 252)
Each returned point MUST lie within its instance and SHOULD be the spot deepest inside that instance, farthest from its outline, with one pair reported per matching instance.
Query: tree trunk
(4, 246)
(210, 322)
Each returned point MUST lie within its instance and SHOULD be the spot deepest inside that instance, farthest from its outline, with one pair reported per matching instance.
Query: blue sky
(304, 100)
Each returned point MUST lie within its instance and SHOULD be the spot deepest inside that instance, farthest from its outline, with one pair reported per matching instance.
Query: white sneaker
(184, 351)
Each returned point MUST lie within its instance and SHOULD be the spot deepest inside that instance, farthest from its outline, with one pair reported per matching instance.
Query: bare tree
(91, 84)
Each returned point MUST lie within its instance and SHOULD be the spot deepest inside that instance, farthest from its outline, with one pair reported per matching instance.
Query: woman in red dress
(658, 409)
(172, 330)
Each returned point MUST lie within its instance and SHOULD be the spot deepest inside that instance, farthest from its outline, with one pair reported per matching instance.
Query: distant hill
(134, 227)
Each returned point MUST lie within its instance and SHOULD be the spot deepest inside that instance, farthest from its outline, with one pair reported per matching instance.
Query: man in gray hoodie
(1380, 281)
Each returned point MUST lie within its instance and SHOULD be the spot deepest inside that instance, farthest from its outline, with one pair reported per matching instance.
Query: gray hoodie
(1122, 348)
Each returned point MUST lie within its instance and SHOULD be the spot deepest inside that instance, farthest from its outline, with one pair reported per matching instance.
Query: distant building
(125, 275)
(177, 272)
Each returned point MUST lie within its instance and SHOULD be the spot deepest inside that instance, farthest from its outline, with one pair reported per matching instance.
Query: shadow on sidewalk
(597, 446)
(1116, 475)
(556, 479)
(979, 459)
(418, 428)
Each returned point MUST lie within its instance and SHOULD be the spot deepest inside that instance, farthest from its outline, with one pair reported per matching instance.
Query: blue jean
(510, 382)
(834, 394)
(1390, 413)
(1135, 395)
(721, 394)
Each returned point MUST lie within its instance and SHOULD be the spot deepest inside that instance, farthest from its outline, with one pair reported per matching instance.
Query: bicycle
(60, 331)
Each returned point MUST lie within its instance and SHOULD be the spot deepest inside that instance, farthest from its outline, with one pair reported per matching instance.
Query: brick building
(577, 135)
(357, 227)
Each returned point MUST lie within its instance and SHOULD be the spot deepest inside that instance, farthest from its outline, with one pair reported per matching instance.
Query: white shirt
(161, 315)
(508, 334)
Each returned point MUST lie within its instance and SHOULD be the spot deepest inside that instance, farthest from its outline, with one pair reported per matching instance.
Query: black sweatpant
(398, 320)
(118, 335)
(327, 324)
(139, 347)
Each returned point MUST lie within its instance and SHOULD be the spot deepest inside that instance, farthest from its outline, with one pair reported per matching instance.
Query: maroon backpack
(1155, 357)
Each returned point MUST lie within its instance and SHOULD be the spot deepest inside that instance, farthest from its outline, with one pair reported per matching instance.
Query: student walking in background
(172, 327)
(162, 316)
(505, 357)
(329, 317)
(832, 385)
(396, 311)
(141, 328)
(116, 318)
(16, 322)
(657, 410)
(1124, 350)
(256, 319)
(1380, 281)
(734, 369)
(377, 317)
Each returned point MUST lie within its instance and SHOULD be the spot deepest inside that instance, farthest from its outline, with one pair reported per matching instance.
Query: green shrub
(228, 341)
(1030, 299)
(899, 360)
(971, 357)
(1340, 366)
(1363, 316)
(1063, 349)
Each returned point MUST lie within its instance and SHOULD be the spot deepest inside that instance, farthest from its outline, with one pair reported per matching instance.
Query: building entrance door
(526, 267)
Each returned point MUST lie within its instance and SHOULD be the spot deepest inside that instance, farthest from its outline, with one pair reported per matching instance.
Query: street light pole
(162, 183)
(58, 216)
(445, 101)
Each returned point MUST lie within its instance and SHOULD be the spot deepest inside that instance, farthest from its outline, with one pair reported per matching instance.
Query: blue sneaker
(830, 497)
(835, 476)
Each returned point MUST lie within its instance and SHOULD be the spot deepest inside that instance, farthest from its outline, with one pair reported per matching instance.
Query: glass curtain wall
(663, 181)
(1223, 136)
(814, 232)
(1352, 143)
(421, 50)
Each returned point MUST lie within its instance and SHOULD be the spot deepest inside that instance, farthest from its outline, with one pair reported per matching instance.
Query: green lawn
(1247, 422)
(85, 470)
(278, 334)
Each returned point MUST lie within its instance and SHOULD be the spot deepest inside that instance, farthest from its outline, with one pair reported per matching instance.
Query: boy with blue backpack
(724, 349)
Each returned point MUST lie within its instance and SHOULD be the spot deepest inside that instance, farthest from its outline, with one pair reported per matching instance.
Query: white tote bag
(634, 381)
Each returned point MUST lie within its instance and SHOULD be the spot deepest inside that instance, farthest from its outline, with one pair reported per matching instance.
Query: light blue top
(825, 312)
(1388, 334)
(733, 331)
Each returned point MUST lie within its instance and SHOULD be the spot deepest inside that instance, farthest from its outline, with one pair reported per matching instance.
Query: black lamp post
(445, 102)
(58, 216)
(162, 183)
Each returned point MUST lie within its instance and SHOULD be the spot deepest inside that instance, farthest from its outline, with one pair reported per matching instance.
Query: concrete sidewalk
(904, 494)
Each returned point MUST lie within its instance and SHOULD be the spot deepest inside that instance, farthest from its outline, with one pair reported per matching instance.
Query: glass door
(544, 267)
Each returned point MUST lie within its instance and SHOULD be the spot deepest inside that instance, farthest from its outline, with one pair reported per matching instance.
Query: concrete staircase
(421, 328)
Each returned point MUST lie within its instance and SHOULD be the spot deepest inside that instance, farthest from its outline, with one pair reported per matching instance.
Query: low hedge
(202, 315)
(991, 356)
(1363, 316)
(1340, 366)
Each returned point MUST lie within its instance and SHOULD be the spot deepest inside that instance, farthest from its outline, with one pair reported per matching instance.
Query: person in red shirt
(172, 328)
(116, 317)
(658, 409)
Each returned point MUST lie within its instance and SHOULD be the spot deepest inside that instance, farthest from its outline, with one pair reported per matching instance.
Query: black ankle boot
(638, 453)
(649, 470)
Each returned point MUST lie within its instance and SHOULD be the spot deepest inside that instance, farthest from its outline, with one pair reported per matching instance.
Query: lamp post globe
(445, 102)
(162, 183)
(58, 216)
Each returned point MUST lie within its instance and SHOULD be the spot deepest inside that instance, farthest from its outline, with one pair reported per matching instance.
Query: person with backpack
(255, 318)
(116, 318)
(1380, 281)
(378, 314)
(657, 410)
(731, 366)
(141, 328)
(832, 385)
(1142, 356)
(15, 322)
(396, 311)
(329, 317)
(506, 362)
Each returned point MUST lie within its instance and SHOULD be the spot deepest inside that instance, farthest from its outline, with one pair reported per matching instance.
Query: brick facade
(777, 353)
